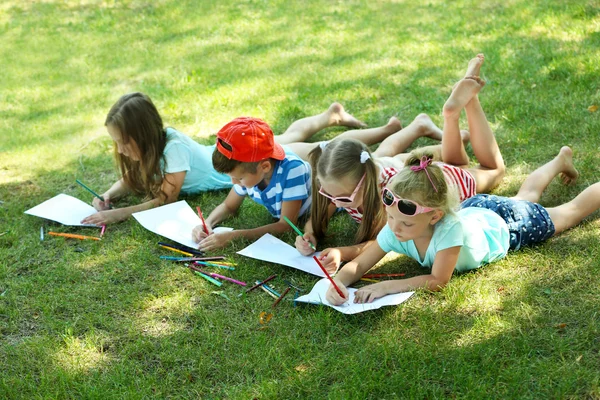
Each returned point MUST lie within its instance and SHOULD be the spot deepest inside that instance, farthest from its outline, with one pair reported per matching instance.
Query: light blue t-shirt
(482, 234)
(182, 153)
(290, 181)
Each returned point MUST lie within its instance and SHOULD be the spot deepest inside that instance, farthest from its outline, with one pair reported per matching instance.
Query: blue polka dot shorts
(528, 223)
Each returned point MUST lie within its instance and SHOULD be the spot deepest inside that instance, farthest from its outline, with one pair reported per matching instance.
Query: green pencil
(89, 190)
(298, 231)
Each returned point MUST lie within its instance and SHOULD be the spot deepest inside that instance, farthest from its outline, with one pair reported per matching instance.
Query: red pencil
(329, 277)
(202, 218)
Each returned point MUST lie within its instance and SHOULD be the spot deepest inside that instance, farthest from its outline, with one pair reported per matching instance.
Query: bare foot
(474, 65)
(426, 127)
(463, 92)
(339, 116)
(394, 125)
(568, 174)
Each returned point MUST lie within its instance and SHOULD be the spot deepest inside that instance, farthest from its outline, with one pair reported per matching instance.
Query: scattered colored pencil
(369, 280)
(329, 277)
(198, 271)
(214, 265)
(269, 292)
(202, 218)
(286, 291)
(381, 275)
(225, 278)
(102, 230)
(73, 236)
(299, 232)
(41, 233)
(177, 250)
(260, 283)
(190, 259)
(182, 248)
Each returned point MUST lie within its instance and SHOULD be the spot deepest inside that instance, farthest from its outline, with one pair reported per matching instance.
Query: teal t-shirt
(182, 153)
(481, 233)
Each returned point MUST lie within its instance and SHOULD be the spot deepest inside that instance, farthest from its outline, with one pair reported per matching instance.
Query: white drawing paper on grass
(317, 296)
(175, 221)
(64, 209)
(269, 248)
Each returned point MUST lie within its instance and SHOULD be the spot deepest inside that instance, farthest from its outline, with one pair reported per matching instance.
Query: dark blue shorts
(528, 223)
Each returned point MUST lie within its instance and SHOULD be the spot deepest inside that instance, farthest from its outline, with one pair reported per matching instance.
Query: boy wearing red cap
(261, 169)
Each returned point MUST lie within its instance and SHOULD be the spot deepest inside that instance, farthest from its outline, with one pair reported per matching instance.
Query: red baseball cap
(250, 139)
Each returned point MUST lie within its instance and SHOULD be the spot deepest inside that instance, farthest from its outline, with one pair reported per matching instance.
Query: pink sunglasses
(406, 207)
(344, 199)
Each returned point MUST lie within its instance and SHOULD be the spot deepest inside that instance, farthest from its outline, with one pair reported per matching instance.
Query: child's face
(342, 188)
(249, 179)
(407, 228)
(130, 149)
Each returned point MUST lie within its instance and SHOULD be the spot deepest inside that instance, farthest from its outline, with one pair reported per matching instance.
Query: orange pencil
(73, 236)
(202, 218)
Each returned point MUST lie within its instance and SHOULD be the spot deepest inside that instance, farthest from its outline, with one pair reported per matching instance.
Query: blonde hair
(419, 187)
(342, 159)
(137, 119)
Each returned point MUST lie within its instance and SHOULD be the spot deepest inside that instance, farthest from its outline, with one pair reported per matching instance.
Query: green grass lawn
(110, 320)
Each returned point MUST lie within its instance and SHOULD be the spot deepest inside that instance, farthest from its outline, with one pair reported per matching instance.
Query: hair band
(364, 156)
(424, 163)
(323, 144)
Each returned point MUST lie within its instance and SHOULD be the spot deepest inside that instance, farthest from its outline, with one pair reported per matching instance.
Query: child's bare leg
(304, 128)
(421, 126)
(453, 149)
(490, 171)
(538, 180)
(368, 136)
(572, 213)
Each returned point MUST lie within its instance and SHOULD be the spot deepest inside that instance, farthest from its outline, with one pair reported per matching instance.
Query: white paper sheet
(269, 248)
(317, 296)
(175, 221)
(63, 208)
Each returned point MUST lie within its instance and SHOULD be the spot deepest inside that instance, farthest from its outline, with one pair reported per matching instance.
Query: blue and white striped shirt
(290, 181)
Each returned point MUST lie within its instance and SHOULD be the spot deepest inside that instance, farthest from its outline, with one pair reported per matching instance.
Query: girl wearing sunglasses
(347, 175)
(422, 224)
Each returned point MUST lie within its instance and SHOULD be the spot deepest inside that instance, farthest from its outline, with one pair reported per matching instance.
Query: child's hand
(102, 205)
(198, 234)
(334, 297)
(215, 241)
(368, 294)
(104, 217)
(303, 246)
(331, 259)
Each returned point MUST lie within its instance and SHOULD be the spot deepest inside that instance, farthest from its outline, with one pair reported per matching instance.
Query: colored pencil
(202, 218)
(177, 250)
(271, 290)
(268, 292)
(182, 248)
(260, 283)
(73, 236)
(224, 277)
(190, 259)
(198, 271)
(41, 233)
(286, 291)
(102, 230)
(369, 280)
(298, 231)
(89, 190)
(329, 277)
(214, 265)
(381, 275)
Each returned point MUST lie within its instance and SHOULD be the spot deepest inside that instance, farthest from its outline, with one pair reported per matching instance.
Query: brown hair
(341, 158)
(137, 119)
(416, 186)
(225, 165)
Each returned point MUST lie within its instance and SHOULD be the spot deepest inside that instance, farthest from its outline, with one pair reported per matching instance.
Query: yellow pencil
(369, 280)
(177, 251)
(73, 236)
